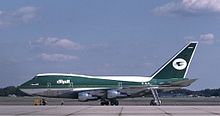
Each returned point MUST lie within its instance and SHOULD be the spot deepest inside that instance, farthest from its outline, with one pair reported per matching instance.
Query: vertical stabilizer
(178, 65)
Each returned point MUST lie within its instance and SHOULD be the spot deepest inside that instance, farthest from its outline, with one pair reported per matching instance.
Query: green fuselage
(83, 82)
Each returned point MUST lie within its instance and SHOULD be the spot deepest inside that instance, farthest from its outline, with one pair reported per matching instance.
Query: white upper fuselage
(117, 78)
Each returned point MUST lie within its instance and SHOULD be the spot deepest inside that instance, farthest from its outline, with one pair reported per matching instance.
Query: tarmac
(190, 101)
(6, 110)
(23, 106)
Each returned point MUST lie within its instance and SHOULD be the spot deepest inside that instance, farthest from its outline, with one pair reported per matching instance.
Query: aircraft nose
(27, 91)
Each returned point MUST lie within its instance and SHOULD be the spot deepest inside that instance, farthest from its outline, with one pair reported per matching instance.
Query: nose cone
(30, 90)
(24, 89)
(27, 87)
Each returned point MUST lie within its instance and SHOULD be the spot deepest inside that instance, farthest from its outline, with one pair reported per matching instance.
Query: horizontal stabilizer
(183, 83)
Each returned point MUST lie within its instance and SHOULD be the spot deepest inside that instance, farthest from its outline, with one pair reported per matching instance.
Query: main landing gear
(114, 102)
(110, 101)
(156, 101)
(104, 102)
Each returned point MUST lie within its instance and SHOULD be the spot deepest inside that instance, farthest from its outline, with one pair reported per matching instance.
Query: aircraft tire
(153, 103)
(114, 102)
(107, 103)
(102, 103)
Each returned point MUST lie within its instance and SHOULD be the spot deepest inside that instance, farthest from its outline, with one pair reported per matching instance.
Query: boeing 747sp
(107, 89)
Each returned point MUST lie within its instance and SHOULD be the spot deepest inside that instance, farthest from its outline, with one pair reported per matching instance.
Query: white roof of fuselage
(118, 78)
(61, 74)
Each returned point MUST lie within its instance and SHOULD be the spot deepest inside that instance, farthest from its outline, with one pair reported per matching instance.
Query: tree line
(204, 93)
(11, 90)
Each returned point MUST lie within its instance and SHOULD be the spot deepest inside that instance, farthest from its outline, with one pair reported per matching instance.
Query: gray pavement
(109, 110)
(184, 101)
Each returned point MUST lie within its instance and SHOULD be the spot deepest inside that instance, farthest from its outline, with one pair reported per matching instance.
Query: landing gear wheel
(114, 102)
(153, 103)
(107, 103)
(104, 103)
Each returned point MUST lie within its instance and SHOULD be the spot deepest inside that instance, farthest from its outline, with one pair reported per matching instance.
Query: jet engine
(85, 96)
(114, 94)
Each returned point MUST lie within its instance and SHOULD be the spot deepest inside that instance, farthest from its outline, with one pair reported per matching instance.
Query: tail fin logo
(179, 64)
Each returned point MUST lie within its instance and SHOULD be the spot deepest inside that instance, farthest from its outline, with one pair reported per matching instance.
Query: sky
(107, 37)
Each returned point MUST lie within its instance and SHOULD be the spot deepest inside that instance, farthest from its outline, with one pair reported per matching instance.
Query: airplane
(107, 89)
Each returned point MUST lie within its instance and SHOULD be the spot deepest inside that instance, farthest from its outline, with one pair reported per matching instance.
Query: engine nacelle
(84, 96)
(114, 94)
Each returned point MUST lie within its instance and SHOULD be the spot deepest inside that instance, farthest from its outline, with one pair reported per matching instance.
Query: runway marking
(109, 110)
(76, 112)
(120, 111)
(40, 110)
(207, 111)
(165, 112)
